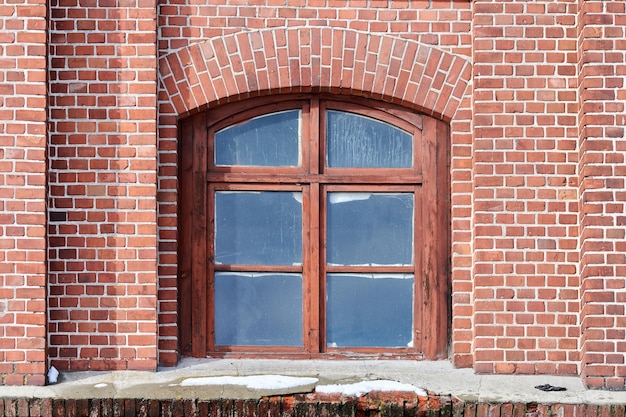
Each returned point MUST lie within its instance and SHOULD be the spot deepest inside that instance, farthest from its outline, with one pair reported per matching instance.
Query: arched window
(313, 226)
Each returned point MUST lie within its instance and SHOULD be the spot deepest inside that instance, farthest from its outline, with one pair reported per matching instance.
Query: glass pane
(369, 310)
(258, 309)
(355, 141)
(269, 140)
(370, 229)
(258, 228)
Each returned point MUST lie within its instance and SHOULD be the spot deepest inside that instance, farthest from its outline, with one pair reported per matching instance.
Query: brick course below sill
(393, 404)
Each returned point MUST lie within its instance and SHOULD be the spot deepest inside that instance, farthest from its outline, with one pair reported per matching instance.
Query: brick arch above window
(315, 59)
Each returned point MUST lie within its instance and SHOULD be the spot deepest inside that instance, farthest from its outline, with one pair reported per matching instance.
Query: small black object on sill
(548, 387)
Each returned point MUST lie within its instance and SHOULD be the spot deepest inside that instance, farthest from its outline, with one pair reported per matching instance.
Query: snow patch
(361, 388)
(53, 375)
(251, 382)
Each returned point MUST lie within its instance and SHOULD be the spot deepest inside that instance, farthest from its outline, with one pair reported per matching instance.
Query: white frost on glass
(258, 274)
(362, 142)
(238, 192)
(378, 276)
(298, 197)
(368, 264)
(251, 382)
(361, 388)
(337, 198)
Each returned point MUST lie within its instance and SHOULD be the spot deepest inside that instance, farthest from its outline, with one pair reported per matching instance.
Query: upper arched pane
(270, 140)
(356, 141)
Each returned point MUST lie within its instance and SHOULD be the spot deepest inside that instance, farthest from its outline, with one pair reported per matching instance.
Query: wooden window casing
(427, 179)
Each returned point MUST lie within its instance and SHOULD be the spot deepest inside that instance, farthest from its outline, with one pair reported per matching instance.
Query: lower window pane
(258, 309)
(369, 310)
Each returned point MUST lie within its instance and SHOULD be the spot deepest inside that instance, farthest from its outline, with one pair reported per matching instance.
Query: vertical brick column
(603, 198)
(525, 187)
(22, 192)
(103, 181)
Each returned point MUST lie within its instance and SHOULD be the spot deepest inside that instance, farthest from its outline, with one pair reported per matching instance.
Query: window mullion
(311, 137)
(314, 138)
(312, 268)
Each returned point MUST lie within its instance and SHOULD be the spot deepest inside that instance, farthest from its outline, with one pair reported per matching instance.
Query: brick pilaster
(525, 187)
(103, 182)
(23, 192)
(602, 53)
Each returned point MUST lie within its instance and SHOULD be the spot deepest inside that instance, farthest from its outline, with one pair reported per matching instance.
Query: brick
(86, 63)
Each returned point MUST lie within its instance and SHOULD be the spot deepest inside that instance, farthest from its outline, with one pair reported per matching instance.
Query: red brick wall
(22, 192)
(525, 187)
(533, 92)
(102, 185)
(371, 405)
(602, 173)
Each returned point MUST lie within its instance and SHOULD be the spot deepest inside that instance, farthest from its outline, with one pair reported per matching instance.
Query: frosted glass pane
(258, 228)
(370, 229)
(372, 310)
(258, 309)
(355, 141)
(268, 140)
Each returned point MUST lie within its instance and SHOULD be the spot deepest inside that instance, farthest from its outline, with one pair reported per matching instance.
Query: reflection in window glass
(355, 141)
(258, 228)
(370, 229)
(369, 310)
(258, 309)
(268, 140)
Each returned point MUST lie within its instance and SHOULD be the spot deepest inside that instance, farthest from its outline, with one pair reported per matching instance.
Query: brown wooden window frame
(428, 179)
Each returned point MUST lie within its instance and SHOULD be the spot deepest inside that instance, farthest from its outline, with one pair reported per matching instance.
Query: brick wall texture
(23, 191)
(92, 91)
(305, 405)
(102, 183)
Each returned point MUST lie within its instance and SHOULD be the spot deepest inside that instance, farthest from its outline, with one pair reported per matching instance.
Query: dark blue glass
(265, 141)
(355, 141)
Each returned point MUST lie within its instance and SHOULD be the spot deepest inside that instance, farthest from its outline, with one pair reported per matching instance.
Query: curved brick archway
(248, 64)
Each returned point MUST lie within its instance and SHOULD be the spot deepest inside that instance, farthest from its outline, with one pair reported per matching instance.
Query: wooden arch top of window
(357, 191)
